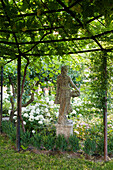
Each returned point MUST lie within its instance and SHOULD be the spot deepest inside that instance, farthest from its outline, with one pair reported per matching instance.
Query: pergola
(39, 28)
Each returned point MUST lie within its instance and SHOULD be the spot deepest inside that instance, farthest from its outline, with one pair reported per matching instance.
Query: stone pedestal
(65, 130)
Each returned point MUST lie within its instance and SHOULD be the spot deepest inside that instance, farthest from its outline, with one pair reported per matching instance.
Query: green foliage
(89, 146)
(110, 144)
(36, 140)
(73, 142)
(10, 129)
(100, 145)
(95, 84)
(44, 139)
(25, 138)
(61, 143)
(48, 141)
(6, 107)
(41, 23)
(29, 160)
(91, 141)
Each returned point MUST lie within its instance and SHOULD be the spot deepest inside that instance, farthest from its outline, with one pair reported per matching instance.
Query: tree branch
(70, 12)
(90, 20)
(26, 31)
(74, 52)
(48, 41)
(38, 42)
(23, 81)
(59, 40)
(75, 3)
(34, 13)
(29, 101)
(97, 43)
(5, 10)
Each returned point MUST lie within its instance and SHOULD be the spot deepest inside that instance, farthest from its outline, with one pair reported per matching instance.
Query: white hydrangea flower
(80, 115)
(15, 113)
(74, 112)
(27, 109)
(77, 109)
(24, 122)
(37, 104)
(76, 131)
(44, 104)
(48, 114)
(51, 106)
(26, 115)
(23, 109)
(41, 117)
(46, 109)
(42, 100)
(51, 102)
(14, 117)
(47, 99)
(40, 122)
(37, 110)
(57, 114)
(33, 131)
(37, 118)
(47, 121)
(32, 112)
(9, 111)
(31, 107)
(31, 118)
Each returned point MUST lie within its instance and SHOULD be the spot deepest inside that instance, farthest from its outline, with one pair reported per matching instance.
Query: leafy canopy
(48, 27)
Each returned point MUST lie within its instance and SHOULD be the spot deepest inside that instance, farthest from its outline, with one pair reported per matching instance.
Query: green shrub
(73, 143)
(48, 142)
(61, 143)
(45, 138)
(6, 107)
(110, 143)
(100, 146)
(89, 146)
(25, 138)
(36, 140)
(10, 129)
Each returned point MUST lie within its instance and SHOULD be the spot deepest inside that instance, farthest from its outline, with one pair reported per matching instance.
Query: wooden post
(18, 104)
(105, 107)
(1, 99)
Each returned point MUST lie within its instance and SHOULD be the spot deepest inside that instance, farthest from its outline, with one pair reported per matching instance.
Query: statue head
(64, 69)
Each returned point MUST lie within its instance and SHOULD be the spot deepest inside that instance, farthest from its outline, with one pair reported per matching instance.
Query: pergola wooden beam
(49, 28)
(73, 52)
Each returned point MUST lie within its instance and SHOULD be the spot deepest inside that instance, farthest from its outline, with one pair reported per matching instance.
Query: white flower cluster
(43, 112)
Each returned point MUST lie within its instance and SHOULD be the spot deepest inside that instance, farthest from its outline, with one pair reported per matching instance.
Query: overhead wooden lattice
(55, 27)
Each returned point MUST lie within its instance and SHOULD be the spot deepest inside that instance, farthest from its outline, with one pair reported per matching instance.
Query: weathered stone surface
(64, 94)
(65, 130)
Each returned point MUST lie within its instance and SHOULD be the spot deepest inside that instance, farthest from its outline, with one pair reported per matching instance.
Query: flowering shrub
(42, 113)
(40, 117)
(91, 133)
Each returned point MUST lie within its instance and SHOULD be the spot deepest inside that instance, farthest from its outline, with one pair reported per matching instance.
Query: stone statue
(64, 94)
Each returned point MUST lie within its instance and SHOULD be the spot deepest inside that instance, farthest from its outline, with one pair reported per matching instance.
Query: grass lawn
(12, 160)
